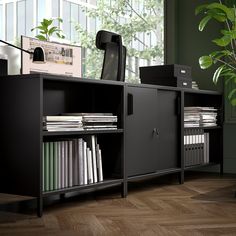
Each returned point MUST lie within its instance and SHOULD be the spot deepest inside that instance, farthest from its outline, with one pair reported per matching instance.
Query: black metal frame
(24, 99)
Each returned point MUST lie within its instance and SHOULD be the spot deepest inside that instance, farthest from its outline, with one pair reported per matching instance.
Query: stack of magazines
(191, 117)
(80, 121)
(208, 116)
(62, 123)
(96, 121)
(200, 116)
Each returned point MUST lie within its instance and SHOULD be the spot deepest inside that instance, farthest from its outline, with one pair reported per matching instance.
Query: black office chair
(114, 57)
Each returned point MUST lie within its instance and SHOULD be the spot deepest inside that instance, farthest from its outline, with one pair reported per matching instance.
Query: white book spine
(51, 162)
(94, 159)
(90, 167)
(63, 164)
(66, 164)
(205, 149)
(81, 165)
(208, 154)
(59, 165)
(70, 153)
(55, 169)
(43, 163)
(99, 163)
(75, 163)
(85, 162)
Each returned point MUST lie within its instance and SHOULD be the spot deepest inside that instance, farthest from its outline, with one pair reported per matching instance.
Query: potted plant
(47, 29)
(225, 57)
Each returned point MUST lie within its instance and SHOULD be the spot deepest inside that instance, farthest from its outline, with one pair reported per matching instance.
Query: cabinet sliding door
(141, 136)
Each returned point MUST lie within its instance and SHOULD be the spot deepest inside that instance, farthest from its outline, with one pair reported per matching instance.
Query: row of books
(71, 162)
(80, 121)
(196, 147)
(200, 116)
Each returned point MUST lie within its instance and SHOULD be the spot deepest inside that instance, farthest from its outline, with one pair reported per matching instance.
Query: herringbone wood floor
(203, 205)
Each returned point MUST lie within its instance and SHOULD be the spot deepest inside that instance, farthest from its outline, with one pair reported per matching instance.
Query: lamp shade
(38, 55)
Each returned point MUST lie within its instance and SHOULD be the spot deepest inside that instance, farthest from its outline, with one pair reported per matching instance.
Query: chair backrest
(114, 57)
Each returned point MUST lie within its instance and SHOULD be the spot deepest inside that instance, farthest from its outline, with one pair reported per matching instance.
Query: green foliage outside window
(132, 24)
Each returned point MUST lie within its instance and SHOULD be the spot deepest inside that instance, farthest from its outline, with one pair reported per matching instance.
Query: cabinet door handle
(130, 102)
(155, 131)
(178, 110)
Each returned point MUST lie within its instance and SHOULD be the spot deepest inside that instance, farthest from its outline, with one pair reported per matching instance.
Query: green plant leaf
(227, 80)
(219, 54)
(222, 42)
(231, 33)
(42, 32)
(205, 62)
(52, 30)
(41, 37)
(61, 36)
(217, 74)
(203, 22)
(200, 8)
(47, 22)
(228, 11)
(41, 27)
(217, 14)
(44, 23)
(229, 76)
(232, 92)
(60, 19)
(233, 102)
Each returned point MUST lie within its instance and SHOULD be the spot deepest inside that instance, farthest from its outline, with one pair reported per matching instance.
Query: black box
(3, 67)
(167, 75)
(168, 81)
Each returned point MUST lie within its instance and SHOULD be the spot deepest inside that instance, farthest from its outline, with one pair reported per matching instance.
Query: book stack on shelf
(196, 147)
(80, 121)
(208, 117)
(95, 121)
(200, 117)
(71, 162)
(62, 123)
(191, 117)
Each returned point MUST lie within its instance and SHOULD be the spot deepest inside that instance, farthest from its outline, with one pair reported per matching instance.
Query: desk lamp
(38, 53)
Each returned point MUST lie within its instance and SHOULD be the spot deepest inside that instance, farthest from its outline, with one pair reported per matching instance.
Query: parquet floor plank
(202, 206)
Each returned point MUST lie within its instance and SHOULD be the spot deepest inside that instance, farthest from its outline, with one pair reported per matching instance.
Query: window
(20, 14)
(140, 22)
(1, 20)
(9, 22)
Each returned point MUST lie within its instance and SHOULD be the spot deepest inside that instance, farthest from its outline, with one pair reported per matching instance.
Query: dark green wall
(184, 44)
(188, 43)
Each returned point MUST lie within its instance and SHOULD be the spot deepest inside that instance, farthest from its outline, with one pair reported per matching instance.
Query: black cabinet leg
(39, 206)
(221, 169)
(124, 190)
(181, 177)
(62, 196)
